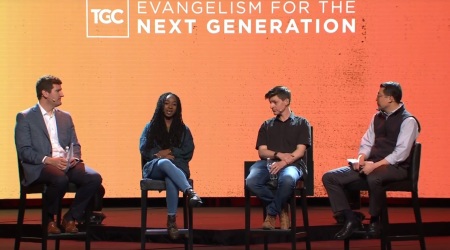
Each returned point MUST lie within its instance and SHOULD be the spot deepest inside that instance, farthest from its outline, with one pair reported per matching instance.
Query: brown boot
(285, 222)
(52, 228)
(172, 228)
(69, 226)
(269, 222)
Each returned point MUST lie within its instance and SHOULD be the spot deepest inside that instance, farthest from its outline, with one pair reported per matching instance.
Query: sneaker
(285, 222)
(269, 222)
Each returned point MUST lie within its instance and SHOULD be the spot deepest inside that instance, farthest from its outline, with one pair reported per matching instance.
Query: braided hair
(158, 131)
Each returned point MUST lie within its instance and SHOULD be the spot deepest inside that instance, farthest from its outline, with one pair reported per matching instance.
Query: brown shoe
(285, 222)
(69, 226)
(269, 222)
(52, 228)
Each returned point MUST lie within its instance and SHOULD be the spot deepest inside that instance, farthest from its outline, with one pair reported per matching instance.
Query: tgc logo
(107, 16)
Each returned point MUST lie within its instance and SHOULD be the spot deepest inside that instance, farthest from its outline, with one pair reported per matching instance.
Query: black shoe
(374, 230)
(349, 228)
(172, 228)
(194, 199)
(360, 216)
(340, 218)
(96, 218)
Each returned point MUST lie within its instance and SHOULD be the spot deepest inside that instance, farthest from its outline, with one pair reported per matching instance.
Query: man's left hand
(286, 157)
(277, 166)
(369, 166)
(73, 162)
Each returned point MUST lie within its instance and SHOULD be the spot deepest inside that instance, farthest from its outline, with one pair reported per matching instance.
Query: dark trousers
(97, 200)
(87, 180)
(335, 182)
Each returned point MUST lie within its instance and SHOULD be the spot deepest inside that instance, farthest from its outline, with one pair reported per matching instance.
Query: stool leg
(293, 208)
(87, 242)
(416, 206)
(384, 237)
(347, 244)
(20, 217)
(305, 218)
(191, 224)
(143, 217)
(247, 219)
(44, 222)
(58, 222)
(266, 241)
(186, 223)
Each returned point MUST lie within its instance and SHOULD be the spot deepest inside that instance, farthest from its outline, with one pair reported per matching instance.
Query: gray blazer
(33, 141)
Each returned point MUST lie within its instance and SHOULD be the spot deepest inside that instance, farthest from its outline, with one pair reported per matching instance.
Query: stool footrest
(162, 231)
(263, 232)
(403, 237)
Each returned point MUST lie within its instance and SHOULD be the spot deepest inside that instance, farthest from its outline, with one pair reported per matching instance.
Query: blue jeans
(175, 180)
(287, 179)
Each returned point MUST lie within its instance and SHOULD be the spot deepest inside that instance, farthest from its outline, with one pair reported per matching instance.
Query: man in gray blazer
(43, 135)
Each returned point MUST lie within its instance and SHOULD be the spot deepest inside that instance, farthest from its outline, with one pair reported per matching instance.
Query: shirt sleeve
(409, 131)
(305, 134)
(186, 150)
(147, 154)
(262, 136)
(367, 140)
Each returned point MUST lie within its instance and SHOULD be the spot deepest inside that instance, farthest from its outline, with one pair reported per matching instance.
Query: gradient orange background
(111, 86)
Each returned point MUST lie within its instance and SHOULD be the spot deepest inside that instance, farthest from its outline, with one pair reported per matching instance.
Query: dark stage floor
(223, 228)
(433, 243)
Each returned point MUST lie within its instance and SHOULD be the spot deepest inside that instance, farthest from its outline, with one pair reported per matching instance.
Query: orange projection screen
(115, 57)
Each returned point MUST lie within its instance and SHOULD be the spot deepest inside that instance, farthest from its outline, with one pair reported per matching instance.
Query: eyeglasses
(379, 96)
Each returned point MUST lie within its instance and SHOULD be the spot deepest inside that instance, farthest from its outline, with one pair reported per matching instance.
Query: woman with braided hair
(167, 146)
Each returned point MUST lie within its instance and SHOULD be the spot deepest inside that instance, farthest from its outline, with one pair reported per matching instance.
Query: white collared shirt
(50, 123)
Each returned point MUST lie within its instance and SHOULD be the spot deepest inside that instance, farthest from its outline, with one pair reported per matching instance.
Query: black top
(284, 136)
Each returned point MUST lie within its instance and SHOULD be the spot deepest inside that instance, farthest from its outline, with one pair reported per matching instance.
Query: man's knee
(250, 182)
(374, 181)
(327, 178)
(93, 180)
(101, 192)
(287, 181)
(60, 181)
(98, 199)
(97, 178)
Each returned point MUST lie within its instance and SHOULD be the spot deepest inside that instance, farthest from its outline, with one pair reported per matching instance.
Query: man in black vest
(384, 156)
